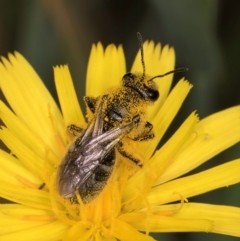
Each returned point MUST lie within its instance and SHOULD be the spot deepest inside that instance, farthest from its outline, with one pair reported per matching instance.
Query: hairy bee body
(119, 114)
(90, 159)
(129, 99)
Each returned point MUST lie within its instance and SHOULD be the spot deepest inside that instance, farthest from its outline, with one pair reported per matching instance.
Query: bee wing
(75, 165)
(97, 149)
(80, 163)
(95, 127)
(86, 153)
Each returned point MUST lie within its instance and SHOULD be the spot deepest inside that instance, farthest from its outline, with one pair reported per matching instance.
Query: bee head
(142, 84)
(145, 87)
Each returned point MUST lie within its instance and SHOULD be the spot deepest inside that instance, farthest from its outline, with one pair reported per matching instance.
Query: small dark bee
(90, 159)
(118, 114)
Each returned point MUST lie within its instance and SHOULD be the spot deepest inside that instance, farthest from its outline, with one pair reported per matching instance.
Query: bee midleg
(146, 134)
(75, 130)
(91, 102)
(126, 151)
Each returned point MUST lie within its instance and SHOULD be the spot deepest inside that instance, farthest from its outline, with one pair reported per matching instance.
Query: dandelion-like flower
(135, 201)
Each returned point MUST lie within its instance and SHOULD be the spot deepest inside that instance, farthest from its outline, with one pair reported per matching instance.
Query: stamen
(172, 212)
(41, 187)
(59, 141)
(205, 135)
(59, 204)
(27, 182)
(115, 199)
(148, 212)
(151, 176)
(192, 140)
(182, 202)
(47, 169)
(105, 232)
(82, 210)
(210, 228)
(60, 144)
(40, 217)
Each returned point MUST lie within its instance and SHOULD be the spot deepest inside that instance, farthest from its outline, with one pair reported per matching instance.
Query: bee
(119, 114)
(89, 161)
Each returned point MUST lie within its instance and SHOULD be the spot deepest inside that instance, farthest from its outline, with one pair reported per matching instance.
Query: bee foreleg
(126, 151)
(146, 134)
(75, 130)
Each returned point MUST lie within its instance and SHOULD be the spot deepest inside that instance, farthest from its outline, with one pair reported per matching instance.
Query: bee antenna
(140, 41)
(171, 72)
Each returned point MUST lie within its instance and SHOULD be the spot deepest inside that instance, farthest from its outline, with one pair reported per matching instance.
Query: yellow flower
(136, 201)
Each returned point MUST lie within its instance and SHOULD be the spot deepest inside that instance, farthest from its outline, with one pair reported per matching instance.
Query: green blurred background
(204, 33)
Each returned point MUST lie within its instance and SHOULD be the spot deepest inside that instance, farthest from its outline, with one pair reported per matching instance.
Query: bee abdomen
(102, 173)
(96, 183)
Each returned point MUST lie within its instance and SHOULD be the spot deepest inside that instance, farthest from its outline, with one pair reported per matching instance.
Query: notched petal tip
(105, 69)
(67, 96)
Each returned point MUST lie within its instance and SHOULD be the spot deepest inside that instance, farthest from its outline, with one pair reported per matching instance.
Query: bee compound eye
(149, 93)
(153, 95)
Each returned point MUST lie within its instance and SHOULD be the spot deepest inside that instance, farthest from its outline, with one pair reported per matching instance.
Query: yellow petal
(53, 231)
(137, 185)
(78, 232)
(151, 60)
(11, 225)
(26, 196)
(99, 237)
(27, 156)
(221, 176)
(167, 113)
(67, 96)
(29, 98)
(161, 223)
(123, 231)
(211, 136)
(21, 131)
(105, 69)
(163, 158)
(15, 218)
(166, 63)
(157, 62)
(224, 219)
(15, 173)
(23, 212)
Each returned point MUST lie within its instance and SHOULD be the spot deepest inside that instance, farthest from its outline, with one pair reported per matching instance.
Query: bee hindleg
(75, 130)
(146, 134)
(127, 151)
